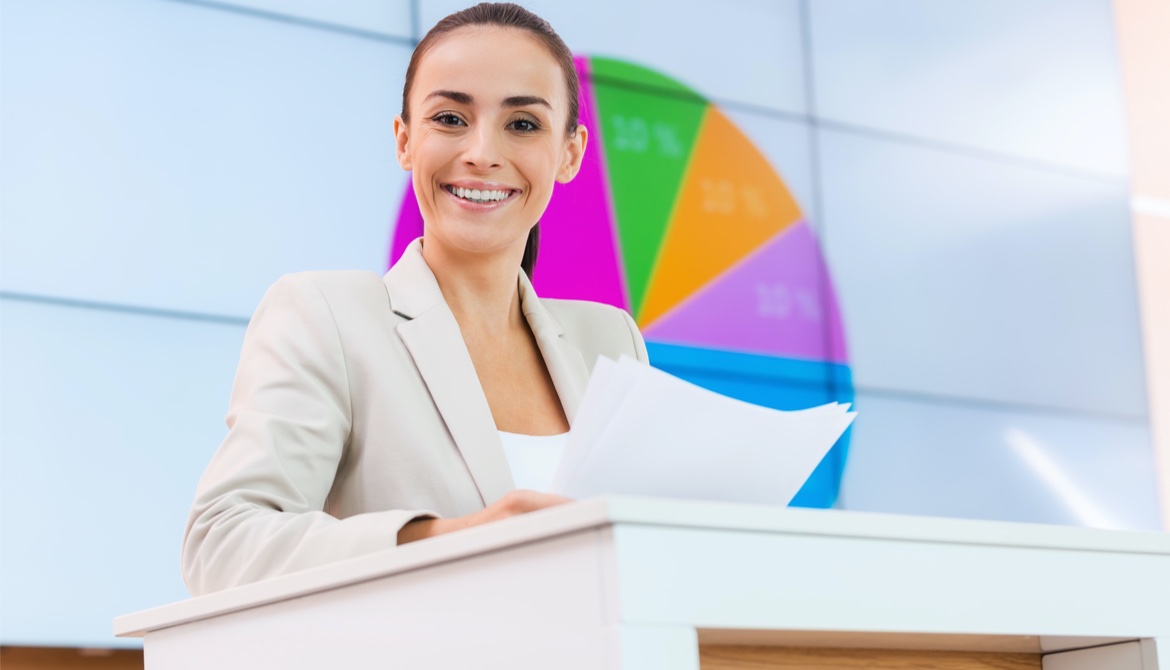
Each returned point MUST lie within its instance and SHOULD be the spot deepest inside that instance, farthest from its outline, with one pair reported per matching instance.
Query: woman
(369, 411)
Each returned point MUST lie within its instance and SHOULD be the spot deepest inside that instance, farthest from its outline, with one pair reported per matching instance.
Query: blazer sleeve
(258, 509)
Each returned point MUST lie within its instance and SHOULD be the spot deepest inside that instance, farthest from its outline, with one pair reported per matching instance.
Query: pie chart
(678, 218)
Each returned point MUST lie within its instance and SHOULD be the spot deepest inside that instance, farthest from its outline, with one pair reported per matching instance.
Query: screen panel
(788, 146)
(921, 456)
(966, 277)
(387, 17)
(1036, 79)
(747, 51)
(108, 421)
(180, 157)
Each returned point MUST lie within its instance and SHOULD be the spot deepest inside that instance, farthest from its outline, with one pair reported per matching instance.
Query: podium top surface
(643, 512)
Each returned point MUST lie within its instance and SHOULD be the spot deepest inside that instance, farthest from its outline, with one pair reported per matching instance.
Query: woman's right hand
(515, 502)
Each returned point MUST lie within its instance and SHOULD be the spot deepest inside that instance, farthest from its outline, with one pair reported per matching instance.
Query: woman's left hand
(514, 503)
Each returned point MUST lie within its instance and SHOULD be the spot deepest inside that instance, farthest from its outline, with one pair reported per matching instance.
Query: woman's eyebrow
(525, 100)
(454, 96)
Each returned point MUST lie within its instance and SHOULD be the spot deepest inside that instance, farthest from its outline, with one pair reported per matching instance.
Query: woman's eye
(447, 120)
(524, 125)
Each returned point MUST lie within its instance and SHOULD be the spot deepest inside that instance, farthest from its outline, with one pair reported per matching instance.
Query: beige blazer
(356, 409)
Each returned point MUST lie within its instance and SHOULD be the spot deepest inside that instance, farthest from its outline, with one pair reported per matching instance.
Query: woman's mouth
(479, 196)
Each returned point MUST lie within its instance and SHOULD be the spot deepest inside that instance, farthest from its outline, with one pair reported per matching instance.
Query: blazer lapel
(565, 364)
(432, 337)
(434, 341)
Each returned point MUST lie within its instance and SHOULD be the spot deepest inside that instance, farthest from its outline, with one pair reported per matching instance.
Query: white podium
(642, 583)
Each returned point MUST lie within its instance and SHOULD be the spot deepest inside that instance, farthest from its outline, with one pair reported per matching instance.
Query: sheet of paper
(606, 391)
(642, 431)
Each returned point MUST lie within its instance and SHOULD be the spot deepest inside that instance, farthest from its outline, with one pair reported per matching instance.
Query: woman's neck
(481, 290)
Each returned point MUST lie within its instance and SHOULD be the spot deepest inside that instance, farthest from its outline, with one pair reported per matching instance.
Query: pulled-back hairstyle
(507, 15)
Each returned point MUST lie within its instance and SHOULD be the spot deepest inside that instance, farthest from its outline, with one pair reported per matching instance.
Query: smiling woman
(371, 411)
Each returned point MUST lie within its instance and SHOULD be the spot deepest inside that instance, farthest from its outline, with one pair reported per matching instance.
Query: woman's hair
(507, 15)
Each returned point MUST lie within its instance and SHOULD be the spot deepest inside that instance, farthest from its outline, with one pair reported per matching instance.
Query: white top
(533, 458)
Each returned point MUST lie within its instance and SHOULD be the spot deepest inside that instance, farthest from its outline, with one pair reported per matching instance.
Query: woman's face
(487, 139)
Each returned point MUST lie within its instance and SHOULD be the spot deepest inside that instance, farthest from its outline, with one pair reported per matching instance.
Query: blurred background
(978, 191)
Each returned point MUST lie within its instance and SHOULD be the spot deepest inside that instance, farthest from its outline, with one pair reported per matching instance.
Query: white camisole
(533, 458)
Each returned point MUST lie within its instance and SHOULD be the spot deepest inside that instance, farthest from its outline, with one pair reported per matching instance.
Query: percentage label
(718, 196)
(753, 201)
(810, 305)
(722, 196)
(630, 134)
(666, 139)
(773, 301)
(779, 301)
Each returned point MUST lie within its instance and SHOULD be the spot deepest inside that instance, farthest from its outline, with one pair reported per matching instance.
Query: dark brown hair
(507, 15)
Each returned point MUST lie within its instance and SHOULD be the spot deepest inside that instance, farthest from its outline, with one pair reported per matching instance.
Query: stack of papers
(641, 431)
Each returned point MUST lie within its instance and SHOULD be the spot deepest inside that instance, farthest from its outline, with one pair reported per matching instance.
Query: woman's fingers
(513, 503)
(522, 501)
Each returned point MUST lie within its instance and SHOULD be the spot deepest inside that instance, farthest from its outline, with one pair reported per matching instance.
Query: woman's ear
(574, 154)
(402, 142)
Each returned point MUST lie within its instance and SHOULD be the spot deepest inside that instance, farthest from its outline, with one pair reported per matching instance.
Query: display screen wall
(961, 166)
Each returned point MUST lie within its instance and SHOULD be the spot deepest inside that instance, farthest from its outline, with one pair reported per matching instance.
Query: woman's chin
(479, 243)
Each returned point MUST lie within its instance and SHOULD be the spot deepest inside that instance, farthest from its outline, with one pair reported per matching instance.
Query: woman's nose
(483, 148)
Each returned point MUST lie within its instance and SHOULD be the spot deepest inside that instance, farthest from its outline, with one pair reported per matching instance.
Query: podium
(644, 583)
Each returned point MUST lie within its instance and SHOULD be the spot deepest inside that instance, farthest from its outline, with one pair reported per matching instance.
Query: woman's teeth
(478, 195)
